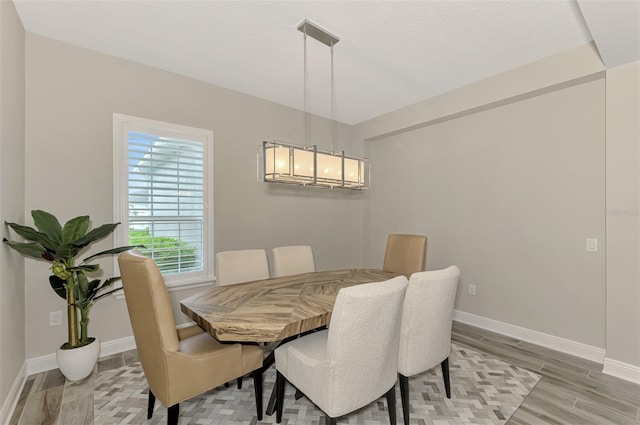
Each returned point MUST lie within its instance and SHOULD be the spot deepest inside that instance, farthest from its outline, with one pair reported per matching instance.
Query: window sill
(177, 286)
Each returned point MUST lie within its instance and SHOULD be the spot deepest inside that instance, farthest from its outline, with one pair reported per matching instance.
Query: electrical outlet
(472, 289)
(55, 318)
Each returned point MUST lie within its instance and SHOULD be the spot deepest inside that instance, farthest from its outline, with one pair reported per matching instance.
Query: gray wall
(71, 96)
(623, 218)
(12, 297)
(508, 195)
(507, 177)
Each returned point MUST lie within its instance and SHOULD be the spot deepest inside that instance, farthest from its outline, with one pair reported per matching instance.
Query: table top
(273, 309)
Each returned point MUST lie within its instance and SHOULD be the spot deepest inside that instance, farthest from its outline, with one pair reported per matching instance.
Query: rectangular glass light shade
(280, 162)
(277, 160)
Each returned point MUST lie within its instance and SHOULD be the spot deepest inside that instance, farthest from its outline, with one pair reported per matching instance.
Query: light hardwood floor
(572, 391)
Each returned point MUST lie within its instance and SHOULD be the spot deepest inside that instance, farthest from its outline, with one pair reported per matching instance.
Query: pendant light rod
(305, 89)
(316, 32)
(333, 103)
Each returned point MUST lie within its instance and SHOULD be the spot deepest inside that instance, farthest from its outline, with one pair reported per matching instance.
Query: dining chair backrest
(362, 342)
(241, 266)
(152, 319)
(425, 333)
(405, 254)
(294, 259)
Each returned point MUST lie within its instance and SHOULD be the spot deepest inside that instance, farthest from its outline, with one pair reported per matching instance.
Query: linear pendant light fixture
(281, 162)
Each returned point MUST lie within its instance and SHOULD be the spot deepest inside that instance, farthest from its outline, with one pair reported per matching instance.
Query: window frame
(122, 124)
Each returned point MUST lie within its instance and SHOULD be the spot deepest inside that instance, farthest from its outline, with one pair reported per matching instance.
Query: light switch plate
(55, 318)
(592, 245)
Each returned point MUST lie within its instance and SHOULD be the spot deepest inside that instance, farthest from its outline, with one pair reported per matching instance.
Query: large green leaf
(31, 234)
(82, 287)
(30, 249)
(104, 294)
(96, 234)
(93, 287)
(75, 229)
(67, 250)
(48, 224)
(86, 268)
(94, 295)
(58, 286)
(111, 280)
(112, 251)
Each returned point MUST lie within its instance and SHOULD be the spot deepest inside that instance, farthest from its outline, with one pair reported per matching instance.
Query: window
(164, 195)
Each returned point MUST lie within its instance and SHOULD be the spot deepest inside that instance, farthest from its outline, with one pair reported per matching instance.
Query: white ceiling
(391, 53)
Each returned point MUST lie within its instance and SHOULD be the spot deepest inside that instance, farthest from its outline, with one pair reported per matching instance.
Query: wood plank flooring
(572, 391)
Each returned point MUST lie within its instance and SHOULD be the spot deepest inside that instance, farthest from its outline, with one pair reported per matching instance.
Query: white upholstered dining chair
(425, 332)
(241, 266)
(294, 259)
(354, 362)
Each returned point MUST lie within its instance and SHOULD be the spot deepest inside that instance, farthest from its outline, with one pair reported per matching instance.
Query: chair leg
(279, 395)
(174, 412)
(391, 404)
(152, 402)
(239, 381)
(331, 421)
(445, 375)
(404, 395)
(257, 386)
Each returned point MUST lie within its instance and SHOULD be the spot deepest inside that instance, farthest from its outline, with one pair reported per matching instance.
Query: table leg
(271, 406)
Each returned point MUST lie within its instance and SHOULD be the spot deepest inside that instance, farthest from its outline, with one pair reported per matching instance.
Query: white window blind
(164, 195)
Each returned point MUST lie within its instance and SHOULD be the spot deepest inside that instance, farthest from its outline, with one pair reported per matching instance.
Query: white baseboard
(9, 405)
(41, 364)
(48, 362)
(567, 346)
(116, 346)
(621, 370)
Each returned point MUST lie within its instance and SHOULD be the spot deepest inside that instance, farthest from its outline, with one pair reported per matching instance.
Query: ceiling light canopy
(281, 162)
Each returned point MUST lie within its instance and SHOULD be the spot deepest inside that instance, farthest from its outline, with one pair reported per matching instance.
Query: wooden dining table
(273, 309)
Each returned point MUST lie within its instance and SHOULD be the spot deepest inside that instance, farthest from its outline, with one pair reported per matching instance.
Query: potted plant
(61, 245)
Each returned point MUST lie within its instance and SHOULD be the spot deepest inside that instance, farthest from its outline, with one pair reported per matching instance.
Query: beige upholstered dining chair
(295, 259)
(178, 364)
(241, 266)
(354, 362)
(405, 254)
(425, 332)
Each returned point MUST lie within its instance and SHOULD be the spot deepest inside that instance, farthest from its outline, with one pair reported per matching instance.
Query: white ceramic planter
(78, 363)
